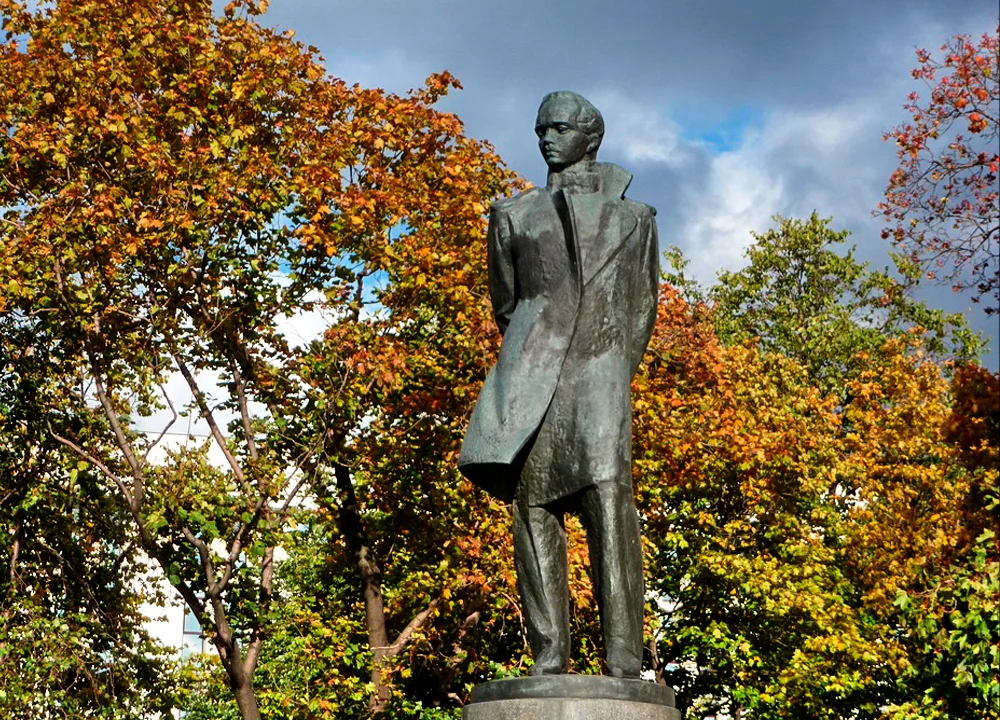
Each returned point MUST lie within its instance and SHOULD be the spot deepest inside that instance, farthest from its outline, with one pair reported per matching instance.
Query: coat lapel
(598, 224)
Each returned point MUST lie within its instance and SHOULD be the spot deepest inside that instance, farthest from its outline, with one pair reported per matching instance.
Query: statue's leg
(543, 581)
(608, 512)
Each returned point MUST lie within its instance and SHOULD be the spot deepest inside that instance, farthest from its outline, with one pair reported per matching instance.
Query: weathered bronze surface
(574, 272)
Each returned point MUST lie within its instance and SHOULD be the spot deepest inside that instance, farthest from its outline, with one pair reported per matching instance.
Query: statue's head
(569, 129)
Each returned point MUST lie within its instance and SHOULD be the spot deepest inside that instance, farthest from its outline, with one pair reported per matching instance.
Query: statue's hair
(588, 118)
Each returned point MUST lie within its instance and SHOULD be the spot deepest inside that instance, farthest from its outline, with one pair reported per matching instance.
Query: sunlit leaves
(806, 297)
(941, 205)
(176, 186)
(781, 522)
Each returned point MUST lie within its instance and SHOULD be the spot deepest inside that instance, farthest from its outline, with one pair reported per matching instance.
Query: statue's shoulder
(640, 208)
(517, 202)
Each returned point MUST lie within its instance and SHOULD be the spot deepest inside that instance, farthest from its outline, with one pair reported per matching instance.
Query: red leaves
(942, 200)
(977, 123)
(974, 424)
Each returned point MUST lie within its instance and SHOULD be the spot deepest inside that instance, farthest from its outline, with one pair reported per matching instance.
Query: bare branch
(205, 555)
(119, 483)
(170, 424)
(415, 624)
(206, 413)
(120, 436)
(240, 538)
(241, 398)
(300, 466)
(266, 583)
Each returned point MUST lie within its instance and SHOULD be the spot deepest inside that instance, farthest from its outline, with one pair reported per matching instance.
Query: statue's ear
(595, 142)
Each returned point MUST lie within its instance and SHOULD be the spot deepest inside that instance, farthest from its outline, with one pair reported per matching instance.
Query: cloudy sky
(726, 111)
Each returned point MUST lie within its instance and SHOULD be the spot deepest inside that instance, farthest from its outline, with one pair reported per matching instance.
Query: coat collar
(589, 177)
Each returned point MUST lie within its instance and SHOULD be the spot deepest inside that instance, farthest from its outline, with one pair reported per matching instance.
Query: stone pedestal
(571, 697)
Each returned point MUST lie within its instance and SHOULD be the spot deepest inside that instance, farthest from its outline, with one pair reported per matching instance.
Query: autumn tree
(783, 524)
(735, 456)
(176, 187)
(941, 206)
(953, 633)
(950, 612)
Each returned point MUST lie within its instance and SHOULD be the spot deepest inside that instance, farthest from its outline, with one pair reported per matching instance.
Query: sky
(727, 112)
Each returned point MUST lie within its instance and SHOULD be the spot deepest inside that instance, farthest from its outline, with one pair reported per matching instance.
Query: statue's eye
(562, 129)
(539, 131)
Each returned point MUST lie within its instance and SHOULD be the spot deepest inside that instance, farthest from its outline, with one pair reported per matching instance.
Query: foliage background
(814, 477)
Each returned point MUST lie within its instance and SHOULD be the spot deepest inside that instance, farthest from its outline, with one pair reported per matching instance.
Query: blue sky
(727, 112)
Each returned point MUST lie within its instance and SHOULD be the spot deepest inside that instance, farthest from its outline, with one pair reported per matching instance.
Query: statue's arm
(500, 264)
(646, 291)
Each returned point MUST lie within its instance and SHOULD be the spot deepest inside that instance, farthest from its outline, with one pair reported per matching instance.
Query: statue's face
(561, 142)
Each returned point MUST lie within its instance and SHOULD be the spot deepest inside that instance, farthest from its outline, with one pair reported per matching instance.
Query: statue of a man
(573, 270)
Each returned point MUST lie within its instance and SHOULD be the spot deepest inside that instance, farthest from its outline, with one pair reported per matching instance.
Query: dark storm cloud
(726, 112)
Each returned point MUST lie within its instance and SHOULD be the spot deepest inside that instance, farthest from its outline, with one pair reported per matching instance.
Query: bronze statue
(574, 272)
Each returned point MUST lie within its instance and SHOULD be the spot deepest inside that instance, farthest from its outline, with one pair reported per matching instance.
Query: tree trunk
(240, 682)
(378, 636)
(371, 584)
(246, 701)
(239, 672)
(655, 660)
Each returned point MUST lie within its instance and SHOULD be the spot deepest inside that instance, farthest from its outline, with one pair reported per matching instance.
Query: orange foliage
(780, 523)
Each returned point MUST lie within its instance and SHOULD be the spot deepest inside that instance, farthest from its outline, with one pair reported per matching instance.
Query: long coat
(573, 278)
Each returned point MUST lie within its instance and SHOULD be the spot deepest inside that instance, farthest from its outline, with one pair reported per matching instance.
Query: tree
(950, 613)
(941, 205)
(175, 187)
(72, 641)
(782, 523)
(951, 619)
(735, 452)
(803, 297)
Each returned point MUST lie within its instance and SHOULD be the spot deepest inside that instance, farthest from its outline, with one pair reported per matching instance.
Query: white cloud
(641, 133)
(741, 195)
(794, 163)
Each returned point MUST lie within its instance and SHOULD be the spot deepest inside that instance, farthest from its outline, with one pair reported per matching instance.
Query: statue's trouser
(608, 512)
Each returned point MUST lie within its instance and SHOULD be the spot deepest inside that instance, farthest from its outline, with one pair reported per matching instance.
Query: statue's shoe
(548, 666)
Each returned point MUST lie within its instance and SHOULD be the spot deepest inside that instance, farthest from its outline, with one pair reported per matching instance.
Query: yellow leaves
(49, 98)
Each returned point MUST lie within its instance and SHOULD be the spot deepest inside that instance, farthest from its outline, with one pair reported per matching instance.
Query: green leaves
(800, 297)
(780, 521)
(954, 621)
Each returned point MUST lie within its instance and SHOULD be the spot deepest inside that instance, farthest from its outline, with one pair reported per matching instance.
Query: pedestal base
(571, 697)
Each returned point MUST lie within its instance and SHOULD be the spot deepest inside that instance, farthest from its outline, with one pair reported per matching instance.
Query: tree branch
(206, 413)
(204, 554)
(120, 437)
(119, 483)
(170, 424)
(404, 636)
(241, 398)
(264, 603)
